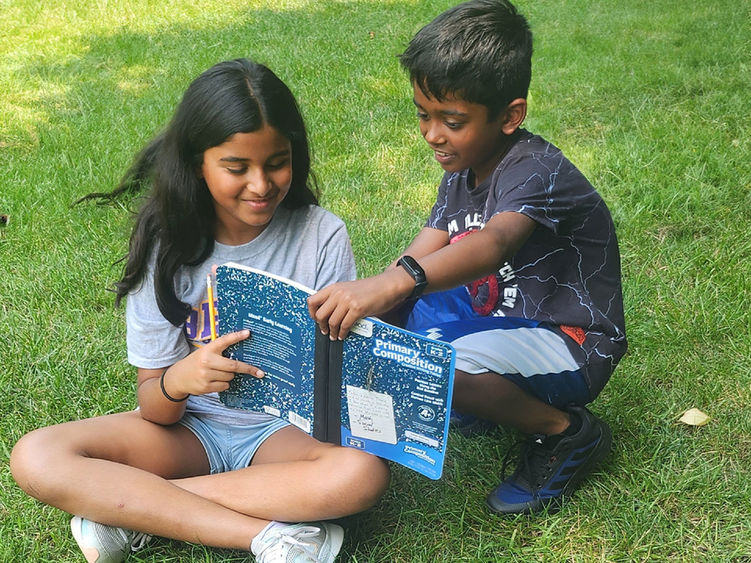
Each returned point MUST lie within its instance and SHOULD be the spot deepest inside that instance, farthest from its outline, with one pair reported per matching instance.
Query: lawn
(651, 100)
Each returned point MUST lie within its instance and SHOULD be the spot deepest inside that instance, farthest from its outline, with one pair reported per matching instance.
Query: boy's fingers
(335, 321)
(321, 313)
(315, 303)
(347, 324)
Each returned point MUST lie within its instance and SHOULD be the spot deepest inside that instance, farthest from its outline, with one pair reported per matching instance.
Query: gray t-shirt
(308, 245)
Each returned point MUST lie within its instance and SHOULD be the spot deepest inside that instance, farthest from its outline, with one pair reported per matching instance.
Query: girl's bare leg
(124, 471)
(295, 478)
(115, 469)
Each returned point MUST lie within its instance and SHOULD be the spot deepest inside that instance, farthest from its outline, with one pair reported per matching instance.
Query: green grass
(650, 100)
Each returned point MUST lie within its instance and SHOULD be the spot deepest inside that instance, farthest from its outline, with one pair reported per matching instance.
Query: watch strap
(414, 269)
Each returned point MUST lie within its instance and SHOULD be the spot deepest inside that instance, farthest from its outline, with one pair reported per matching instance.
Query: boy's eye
(453, 124)
(422, 115)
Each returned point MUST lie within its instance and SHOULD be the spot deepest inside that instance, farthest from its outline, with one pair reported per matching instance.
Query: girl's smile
(248, 176)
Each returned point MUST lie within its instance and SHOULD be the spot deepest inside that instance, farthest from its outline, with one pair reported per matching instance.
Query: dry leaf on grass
(694, 417)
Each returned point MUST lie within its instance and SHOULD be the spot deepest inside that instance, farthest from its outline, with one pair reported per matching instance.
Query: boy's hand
(337, 307)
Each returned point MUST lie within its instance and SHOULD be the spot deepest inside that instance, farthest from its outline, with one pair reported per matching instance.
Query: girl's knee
(31, 460)
(43, 462)
(365, 476)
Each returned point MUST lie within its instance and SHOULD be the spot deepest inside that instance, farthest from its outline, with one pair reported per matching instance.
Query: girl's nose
(258, 182)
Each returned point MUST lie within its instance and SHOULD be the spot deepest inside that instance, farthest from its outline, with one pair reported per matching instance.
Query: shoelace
(139, 541)
(534, 459)
(134, 540)
(286, 541)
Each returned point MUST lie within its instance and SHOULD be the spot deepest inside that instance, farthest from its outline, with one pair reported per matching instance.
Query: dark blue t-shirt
(568, 272)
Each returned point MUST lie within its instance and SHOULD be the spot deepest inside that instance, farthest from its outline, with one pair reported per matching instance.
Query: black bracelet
(164, 391)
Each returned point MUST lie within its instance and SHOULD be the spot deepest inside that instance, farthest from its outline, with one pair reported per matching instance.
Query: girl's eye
(276, 165)
(238, 171)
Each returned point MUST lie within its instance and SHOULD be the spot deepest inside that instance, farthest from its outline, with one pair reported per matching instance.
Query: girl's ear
(513, 115)
(198, 165)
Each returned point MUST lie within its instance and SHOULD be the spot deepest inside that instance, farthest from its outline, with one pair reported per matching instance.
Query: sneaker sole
(336, 533)
(91, 554)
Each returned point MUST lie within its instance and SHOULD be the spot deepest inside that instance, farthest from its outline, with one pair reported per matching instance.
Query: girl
(229, 183)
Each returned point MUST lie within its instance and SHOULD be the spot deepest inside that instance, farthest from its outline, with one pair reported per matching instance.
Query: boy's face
(459, 133)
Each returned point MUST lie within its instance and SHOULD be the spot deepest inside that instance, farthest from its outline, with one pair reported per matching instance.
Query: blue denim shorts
(230, 446)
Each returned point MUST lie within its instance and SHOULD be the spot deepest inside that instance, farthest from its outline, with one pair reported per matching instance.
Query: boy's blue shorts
(531, 354)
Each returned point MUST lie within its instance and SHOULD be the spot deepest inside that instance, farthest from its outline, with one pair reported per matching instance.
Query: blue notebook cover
(383, 389)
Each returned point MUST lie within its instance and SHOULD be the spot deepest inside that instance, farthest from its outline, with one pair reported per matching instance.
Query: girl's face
(248, 176)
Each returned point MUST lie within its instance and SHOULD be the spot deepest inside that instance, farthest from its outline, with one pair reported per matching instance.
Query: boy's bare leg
(551, 468)
(493, 397)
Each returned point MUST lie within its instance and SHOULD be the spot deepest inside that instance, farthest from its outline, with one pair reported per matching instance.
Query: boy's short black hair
(480, 51)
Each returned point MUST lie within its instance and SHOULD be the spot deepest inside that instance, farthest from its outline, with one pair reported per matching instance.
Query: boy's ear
(514, 114)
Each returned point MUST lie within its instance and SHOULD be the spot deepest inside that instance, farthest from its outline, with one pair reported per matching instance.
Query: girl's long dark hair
(178, 220)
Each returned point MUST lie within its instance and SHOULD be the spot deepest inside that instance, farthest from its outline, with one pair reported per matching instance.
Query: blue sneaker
(470, 425)
(551, 467)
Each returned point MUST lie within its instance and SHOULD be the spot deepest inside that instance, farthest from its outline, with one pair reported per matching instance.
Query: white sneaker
(100, 543)
(316, 542)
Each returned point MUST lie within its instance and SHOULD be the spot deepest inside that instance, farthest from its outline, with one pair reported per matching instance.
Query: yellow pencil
(212, 311)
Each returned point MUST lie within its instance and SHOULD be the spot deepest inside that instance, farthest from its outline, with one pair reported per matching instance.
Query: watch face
(411, 266)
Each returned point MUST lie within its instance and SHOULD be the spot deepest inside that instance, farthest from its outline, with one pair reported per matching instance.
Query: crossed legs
(124, 471)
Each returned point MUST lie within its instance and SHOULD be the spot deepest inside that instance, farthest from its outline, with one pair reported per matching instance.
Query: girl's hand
(337, 307)
(206, 370)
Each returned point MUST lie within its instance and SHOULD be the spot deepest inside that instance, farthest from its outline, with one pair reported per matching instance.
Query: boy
(526, 248)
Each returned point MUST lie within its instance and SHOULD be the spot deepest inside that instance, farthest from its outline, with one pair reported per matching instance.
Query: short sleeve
(542, 185)
(153, 342)
(438, 219)
(336, 262)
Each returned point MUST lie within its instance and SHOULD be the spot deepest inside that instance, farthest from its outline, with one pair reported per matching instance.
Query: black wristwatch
(411, 266)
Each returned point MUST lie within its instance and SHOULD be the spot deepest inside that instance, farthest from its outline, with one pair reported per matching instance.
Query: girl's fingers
(231, 367)
(223, 342)
(226, 368)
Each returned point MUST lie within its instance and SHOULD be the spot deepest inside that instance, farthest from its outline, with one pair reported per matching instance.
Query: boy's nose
(431, 134)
